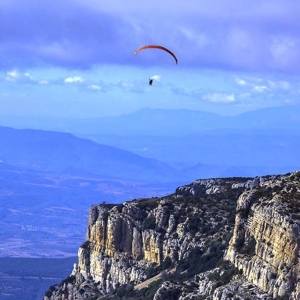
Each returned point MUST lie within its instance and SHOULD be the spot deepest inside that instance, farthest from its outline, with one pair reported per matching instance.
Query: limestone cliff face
(212, 239)
(265, 242)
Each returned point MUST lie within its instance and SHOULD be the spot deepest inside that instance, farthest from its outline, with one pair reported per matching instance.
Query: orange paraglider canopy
(156, 47)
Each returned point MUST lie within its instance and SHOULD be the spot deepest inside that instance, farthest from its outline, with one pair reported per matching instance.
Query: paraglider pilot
(150, 81)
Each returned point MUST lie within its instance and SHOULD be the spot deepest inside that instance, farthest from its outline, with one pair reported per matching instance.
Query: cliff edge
(211, 239)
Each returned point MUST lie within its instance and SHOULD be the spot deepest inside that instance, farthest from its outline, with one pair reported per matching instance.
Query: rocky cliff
(212, 239)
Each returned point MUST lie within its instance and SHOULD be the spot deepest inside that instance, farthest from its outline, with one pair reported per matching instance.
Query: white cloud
(29, 76)
(260, 85)
(95, 87)
(156, 77)
(74, 79)
(25, 77)
(219, 98)
(240, 81)
(12, 75)
(260, 88)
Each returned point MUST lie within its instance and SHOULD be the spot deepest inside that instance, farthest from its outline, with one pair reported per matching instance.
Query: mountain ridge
(163, 121)
(65, 153)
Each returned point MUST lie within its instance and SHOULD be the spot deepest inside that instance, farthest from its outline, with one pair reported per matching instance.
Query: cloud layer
(258, 36)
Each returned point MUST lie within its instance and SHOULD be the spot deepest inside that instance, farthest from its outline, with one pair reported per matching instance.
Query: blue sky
(74, 58)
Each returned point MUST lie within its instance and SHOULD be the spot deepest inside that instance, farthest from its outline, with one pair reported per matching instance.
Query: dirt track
(146, 283)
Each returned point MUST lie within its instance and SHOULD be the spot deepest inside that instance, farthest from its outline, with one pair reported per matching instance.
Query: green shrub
(166, 263)
(149, 222)
(169, 294)
(248, 246)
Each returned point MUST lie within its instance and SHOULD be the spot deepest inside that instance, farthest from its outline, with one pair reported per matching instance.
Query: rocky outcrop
(212, 239)
(265, 242)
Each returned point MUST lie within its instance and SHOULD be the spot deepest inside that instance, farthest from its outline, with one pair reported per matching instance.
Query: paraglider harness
(150, 81)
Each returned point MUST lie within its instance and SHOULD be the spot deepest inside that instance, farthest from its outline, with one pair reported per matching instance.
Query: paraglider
(156, 47)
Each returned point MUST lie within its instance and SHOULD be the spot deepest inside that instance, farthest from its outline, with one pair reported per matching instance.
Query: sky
(75, 58)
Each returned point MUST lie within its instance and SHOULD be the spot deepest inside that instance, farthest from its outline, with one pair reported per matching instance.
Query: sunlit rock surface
(212, 239)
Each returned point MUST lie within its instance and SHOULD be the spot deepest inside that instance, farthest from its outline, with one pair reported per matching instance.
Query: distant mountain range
(164, 122)
(197, 144)
(227, 148)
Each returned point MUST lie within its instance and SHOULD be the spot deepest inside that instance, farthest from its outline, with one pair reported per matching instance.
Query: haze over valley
(50, 179)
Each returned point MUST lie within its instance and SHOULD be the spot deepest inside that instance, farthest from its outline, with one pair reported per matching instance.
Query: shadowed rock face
(211, 239)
